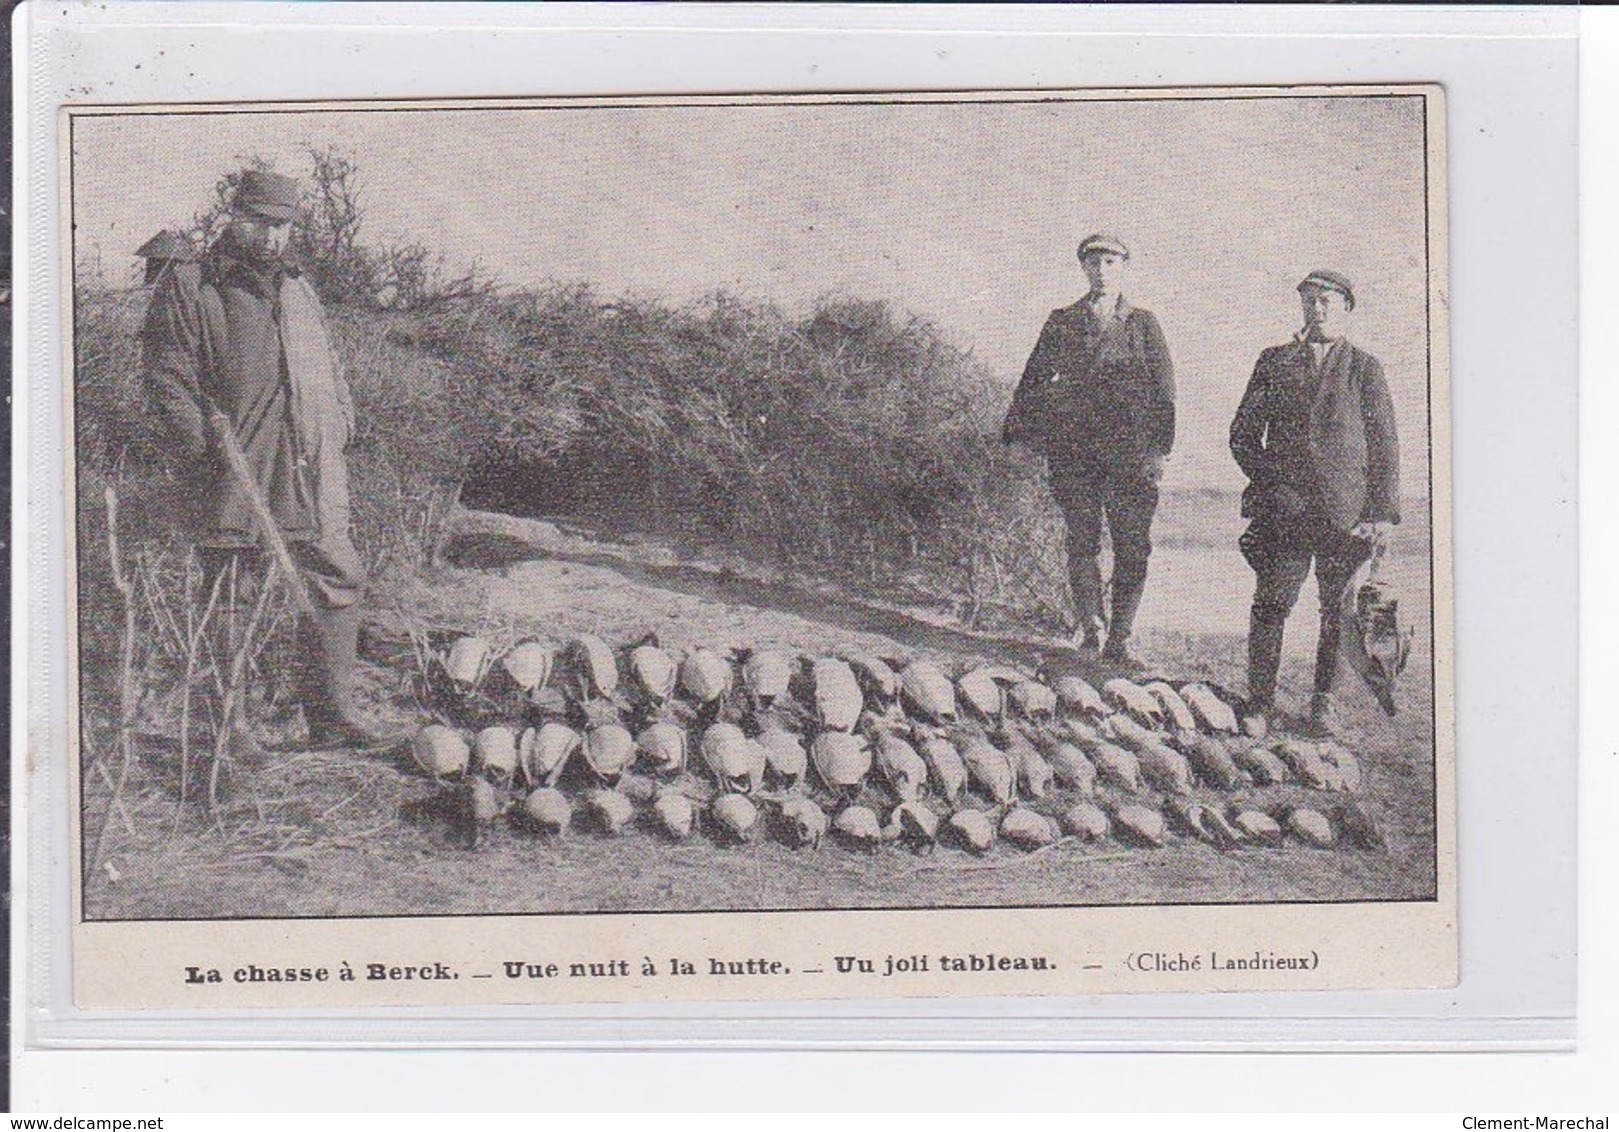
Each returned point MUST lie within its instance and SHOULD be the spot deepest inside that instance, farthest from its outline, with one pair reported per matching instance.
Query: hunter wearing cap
(249, 344)
(1097, 400)
(165, 253)
(1315, 436)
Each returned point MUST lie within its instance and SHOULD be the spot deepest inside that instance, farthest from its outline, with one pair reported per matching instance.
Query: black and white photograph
(576, 509)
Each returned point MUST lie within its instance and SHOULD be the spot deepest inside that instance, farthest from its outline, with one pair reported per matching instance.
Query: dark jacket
(220, 338)
(1097, 392)
(1318, 444)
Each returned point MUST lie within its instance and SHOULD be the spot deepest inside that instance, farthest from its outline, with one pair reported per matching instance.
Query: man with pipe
(1316, 437)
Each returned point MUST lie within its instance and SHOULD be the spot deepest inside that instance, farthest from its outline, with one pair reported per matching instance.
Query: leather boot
(1085, 580)
(1126, 601)
(1323, 722)
(1326, 649)
(331, 646)
(1088, 637)
(1264, 659)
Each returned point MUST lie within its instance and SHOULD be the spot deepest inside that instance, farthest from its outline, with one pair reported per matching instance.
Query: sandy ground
(325, 835)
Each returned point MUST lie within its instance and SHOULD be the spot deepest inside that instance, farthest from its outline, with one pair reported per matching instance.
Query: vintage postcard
(851, 546)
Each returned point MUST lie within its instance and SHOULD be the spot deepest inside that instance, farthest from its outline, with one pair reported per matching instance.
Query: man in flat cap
(164, 253)
(248, 348)
(1315, 435)
(1097, 400)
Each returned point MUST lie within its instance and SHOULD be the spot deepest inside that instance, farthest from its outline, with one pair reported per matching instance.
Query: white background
(1500, 873)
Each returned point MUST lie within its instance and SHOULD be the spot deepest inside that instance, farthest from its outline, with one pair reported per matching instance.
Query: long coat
(1318, 444)
(1098, 392)
(252, 342)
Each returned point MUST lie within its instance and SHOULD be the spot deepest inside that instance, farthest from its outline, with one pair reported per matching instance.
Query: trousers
(1088, 494)
(1281, 555)
(327, 640)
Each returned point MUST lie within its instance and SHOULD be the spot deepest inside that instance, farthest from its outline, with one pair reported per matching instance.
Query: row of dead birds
(1007, 734)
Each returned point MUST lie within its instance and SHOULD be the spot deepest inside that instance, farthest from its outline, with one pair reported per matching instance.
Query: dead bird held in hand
(1374, 642)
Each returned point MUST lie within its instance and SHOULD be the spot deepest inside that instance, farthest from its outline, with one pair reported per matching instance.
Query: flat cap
(1331, 281)
(1100, 243)
(270, 196)
(167, 244)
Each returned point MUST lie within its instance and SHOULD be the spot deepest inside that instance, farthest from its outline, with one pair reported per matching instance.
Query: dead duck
(610, 810)
(528, 664)
(654, 671)
(1210, 760)
(858, 825)
(1035, 777)
(675, 813)
(928, 692)
(1117, 766)
(1079, 698)
(476, 804)
(1032, 700)
(1139, 825)
(1127, 696)
(1086, 821)
(494, 754)
(1166, 769)
(1127, 732)
(838, 701)
(735, 817)
(595, 671)
(877, 679)
(804, 823)
(990, 769)
(1260, 764)
(981, 695)
(972, 830)
(899, 763)
(547, 810)
(543, 752)
(1310, 826)
(608, 750)
(705, 676)
(946, 770)
(766, 674)
(1027, 828)
(664, 747)
(786, 757)
(1255, 826)
(1209, 709)
(1358, 828)
(841, 761)
(736, 762)
(913, 824)
(1072, 769)
(1176, 712)
(467, 661)
(440, 751)
(1204, 822)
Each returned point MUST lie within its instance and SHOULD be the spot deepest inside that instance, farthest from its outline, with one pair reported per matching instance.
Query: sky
(967, 214)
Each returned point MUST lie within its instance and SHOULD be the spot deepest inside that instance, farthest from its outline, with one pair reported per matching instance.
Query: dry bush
(856, 444)
(410, 452)
(345, 269)
(114, 422)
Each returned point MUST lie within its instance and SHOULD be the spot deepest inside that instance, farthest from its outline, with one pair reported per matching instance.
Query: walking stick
(225, 433)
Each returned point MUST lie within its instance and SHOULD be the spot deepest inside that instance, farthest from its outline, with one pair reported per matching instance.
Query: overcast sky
(967, 214)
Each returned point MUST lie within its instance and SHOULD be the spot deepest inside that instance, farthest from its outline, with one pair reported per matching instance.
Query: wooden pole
(225, 432)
